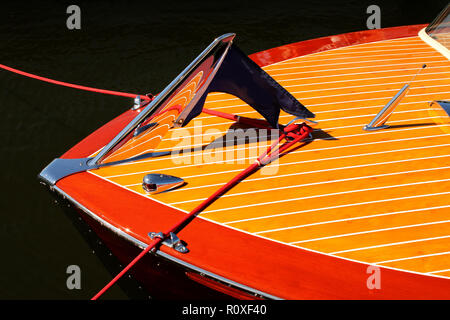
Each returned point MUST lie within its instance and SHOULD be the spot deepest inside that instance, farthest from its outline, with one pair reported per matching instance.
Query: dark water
(129, 46)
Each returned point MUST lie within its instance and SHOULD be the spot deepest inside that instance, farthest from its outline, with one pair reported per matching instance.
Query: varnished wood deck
(380, 197)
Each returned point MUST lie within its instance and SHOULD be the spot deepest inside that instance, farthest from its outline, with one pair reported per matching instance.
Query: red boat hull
(253, 264)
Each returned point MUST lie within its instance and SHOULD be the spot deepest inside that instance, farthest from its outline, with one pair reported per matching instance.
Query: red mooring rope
(296, 132)
(75, 86)
(293, 134)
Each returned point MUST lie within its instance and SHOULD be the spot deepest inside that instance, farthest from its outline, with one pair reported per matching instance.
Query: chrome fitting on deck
(172, 242)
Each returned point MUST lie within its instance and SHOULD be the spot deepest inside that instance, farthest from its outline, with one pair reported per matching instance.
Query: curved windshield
(439, 29)
(147, 135)
(170, 108)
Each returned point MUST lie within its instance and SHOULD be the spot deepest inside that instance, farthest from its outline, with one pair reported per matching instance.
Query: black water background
(134, 46)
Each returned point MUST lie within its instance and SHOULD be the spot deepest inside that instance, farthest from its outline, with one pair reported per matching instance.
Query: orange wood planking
(377, 197)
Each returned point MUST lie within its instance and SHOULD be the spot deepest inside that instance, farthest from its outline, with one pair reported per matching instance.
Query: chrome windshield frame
(160, 98)
(441, 16)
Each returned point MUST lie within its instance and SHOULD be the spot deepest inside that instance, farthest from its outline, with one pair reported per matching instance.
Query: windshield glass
(169, 109)
(151, 130)
(439, 29)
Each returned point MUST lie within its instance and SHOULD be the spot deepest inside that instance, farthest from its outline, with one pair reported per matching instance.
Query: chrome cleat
(156, 182)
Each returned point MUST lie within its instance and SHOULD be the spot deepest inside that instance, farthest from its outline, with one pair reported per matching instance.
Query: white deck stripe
(351, 219)
(328, 103)
(339, 206)
(368, 85)
(300, 173)
(281, 81)
(407, 76)
(351, 93)
(390, 244)
(371, 231)
(439, 271)
(315, 183)
(274, 74)
(419, 63)
(405, 121)
(283, 164)
(308, 59)
(213, 134)
(302, 64)
(323, 55)
(222, 141)
(316, 112)
(294, 152)
(345, 88)
(322, 159)
(329, 194)
(372, 91)
(414, 257)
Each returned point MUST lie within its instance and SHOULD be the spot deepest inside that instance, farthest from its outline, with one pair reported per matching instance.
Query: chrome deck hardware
(380, 119)
(137, 103)
(172, 241)
(156, 182)
(378, 122)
